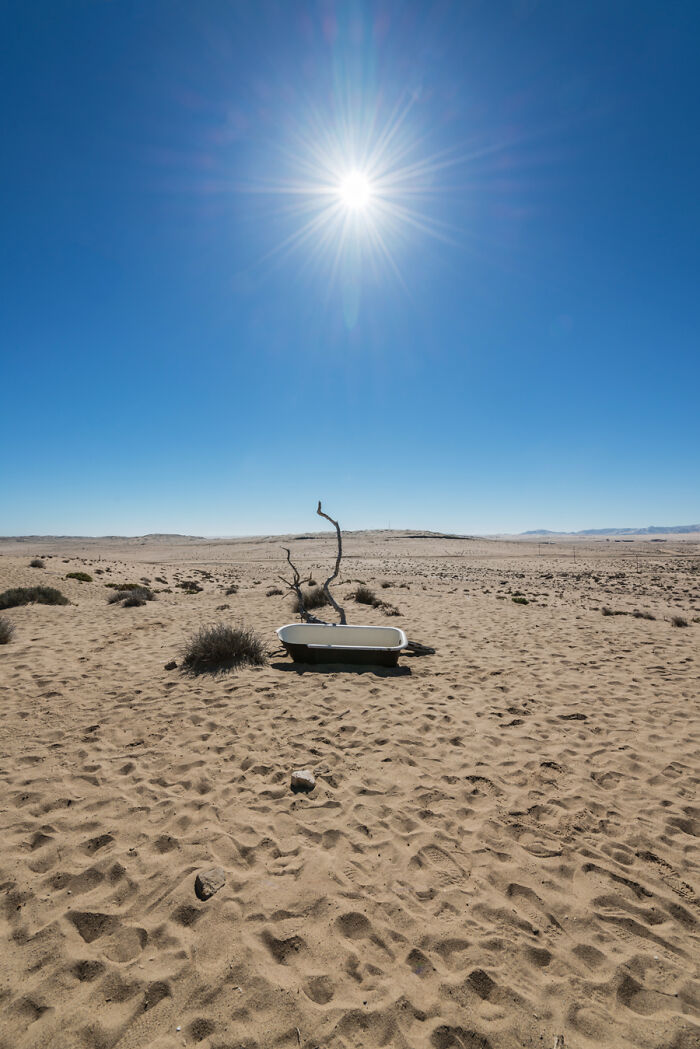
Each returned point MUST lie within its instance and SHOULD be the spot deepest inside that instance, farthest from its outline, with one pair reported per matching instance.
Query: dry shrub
(82, 577)
(134, 597)
(679, 621)
(36, 562)
(274, 591)
(364, 596)
(6, 630)
(314, 598)
(32, 595)
(222, 647)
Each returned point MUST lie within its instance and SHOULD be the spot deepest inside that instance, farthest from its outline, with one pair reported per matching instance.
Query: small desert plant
(131, 598)
(387, 609)
(614, 612)
(82, 577)
(314, 598)
(364, 596)
(231, 590)
(679, 621)
(520, 600)
(134, 600)
(36, 562)
(642, 615)
(222, 647)
(386, 585)
(190, 586)
(274, 591)
(124, 586)
(6, 630)
(28, 595)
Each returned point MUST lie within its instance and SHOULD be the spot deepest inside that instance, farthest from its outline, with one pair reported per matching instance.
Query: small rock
(208, 882)
(303, 780)
(171, 665)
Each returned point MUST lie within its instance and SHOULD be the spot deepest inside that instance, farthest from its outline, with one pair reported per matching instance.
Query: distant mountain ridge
(651, 530)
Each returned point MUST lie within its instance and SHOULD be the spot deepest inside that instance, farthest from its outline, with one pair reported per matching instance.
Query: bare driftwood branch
(336, 606)
(295, 586)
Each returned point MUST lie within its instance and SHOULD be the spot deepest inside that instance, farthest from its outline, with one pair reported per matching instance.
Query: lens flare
(355, 191)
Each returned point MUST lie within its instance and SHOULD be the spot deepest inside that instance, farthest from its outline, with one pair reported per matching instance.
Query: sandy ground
(502, 846)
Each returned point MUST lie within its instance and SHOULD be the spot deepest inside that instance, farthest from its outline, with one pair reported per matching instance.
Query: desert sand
(502, 846)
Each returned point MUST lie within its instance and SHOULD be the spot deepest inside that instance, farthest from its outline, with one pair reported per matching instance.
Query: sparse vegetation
(642, 615)
(313, 598)
(36, 562)
(31, 595)
(231, 590)
(132, 597)
(190, 586)
(274, 591)
(124, 586)
(520, 600)
(82, 577)
(365, 596)
(222, 647)
(679, 621)
(613, 612)
(6, 630)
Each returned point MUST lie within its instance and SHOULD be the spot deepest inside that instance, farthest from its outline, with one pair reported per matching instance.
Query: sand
(502, 846)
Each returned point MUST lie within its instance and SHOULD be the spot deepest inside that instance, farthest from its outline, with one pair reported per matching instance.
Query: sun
(355, 191)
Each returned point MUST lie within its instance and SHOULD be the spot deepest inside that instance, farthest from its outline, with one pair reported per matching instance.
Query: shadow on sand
(341, 668)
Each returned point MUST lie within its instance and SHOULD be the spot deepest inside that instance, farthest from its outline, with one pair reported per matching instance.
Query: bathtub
(318, 643)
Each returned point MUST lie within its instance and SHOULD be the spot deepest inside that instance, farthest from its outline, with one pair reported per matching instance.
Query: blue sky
(505, 338)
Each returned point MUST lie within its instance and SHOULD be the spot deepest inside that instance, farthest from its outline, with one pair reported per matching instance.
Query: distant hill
(651, 530)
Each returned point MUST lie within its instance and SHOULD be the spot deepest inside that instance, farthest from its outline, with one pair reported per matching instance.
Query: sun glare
(355, 191)
(358, 185)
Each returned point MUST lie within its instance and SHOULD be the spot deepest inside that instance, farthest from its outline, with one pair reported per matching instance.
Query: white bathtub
(318, 643)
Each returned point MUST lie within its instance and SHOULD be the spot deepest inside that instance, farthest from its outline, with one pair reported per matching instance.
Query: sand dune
(502, 846)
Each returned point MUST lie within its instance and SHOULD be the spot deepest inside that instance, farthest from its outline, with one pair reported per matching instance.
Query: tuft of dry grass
(222, 647)
(133, 597)
(6, 630)
(679, 621)
(365, 596)
(190, 586)
(36, 562)
(274, 591)
(314, 598)
(82, 577)
(32, 595)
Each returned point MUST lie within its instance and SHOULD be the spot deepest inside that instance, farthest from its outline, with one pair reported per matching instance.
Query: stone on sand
(303, 781)
(208, 882)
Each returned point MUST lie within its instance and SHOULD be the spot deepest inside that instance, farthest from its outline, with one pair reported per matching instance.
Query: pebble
(171, 665)
(303, 780)
(208, 882)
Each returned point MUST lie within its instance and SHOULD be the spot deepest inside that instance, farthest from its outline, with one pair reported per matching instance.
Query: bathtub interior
(342, 636)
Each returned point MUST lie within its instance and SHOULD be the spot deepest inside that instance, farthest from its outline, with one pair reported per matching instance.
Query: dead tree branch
(296, 583)
(295, 586)
(336, 606)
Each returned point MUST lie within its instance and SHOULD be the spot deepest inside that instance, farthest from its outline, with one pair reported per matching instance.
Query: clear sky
(434, 263)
